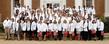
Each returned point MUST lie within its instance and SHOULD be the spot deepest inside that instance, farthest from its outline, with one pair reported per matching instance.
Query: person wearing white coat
(50, 30)
(34, 28)
(16, 29)
(85, 30)
(79, 28)
(59, 27)
(100, 31)
(40, 28)
(23, 27)
(65, 29)
(45, 27)
(72, 28)
(28, 29)
(55, 30)
(93, 29)
(7, 26)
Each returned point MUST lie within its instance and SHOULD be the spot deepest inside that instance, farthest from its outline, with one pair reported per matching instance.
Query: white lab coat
(89, 25)
(23, 26)
(15, 26)
(50, 26)
(45, 27)
(28, 24)
(65, 26)
(5, 23)
(40, 27)
(85, 25)
(55, 27)
(33, 26)
(73, 26)
(9, 24)
(94, 26)
(59, 27)
(101, 26)
(79, 26)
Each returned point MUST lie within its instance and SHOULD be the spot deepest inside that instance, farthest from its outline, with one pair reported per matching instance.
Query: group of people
(54, 23)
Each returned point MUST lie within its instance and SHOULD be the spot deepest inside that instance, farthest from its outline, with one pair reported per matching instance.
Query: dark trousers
(29, 34)
(85, 35)
(99, 35)
(43, 34)
(60, 35)
(89, 35)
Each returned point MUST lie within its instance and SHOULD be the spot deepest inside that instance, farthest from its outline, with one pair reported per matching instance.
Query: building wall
(100, 7)
(106, 8)
(5, 9)
(70, 3)
(35, 4)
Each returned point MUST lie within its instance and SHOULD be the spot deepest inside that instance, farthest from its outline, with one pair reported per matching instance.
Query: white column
(85, 2)
(93, 2)
(106, 8)
(12, 8)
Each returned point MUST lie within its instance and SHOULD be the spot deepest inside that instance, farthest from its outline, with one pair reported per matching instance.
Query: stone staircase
(2, 35)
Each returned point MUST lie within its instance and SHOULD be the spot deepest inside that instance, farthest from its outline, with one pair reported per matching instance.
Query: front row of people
(85, 29)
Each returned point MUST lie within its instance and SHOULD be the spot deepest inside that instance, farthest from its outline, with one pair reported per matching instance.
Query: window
(89, 2)
(56, 5)
(16, 3)
(49, 5)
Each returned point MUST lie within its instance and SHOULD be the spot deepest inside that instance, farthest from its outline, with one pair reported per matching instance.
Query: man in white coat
(100, 31)
(7, 26)
(23, 27)
(34, 29)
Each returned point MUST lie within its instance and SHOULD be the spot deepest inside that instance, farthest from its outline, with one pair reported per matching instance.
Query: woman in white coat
(34, 29)
(23, 27)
